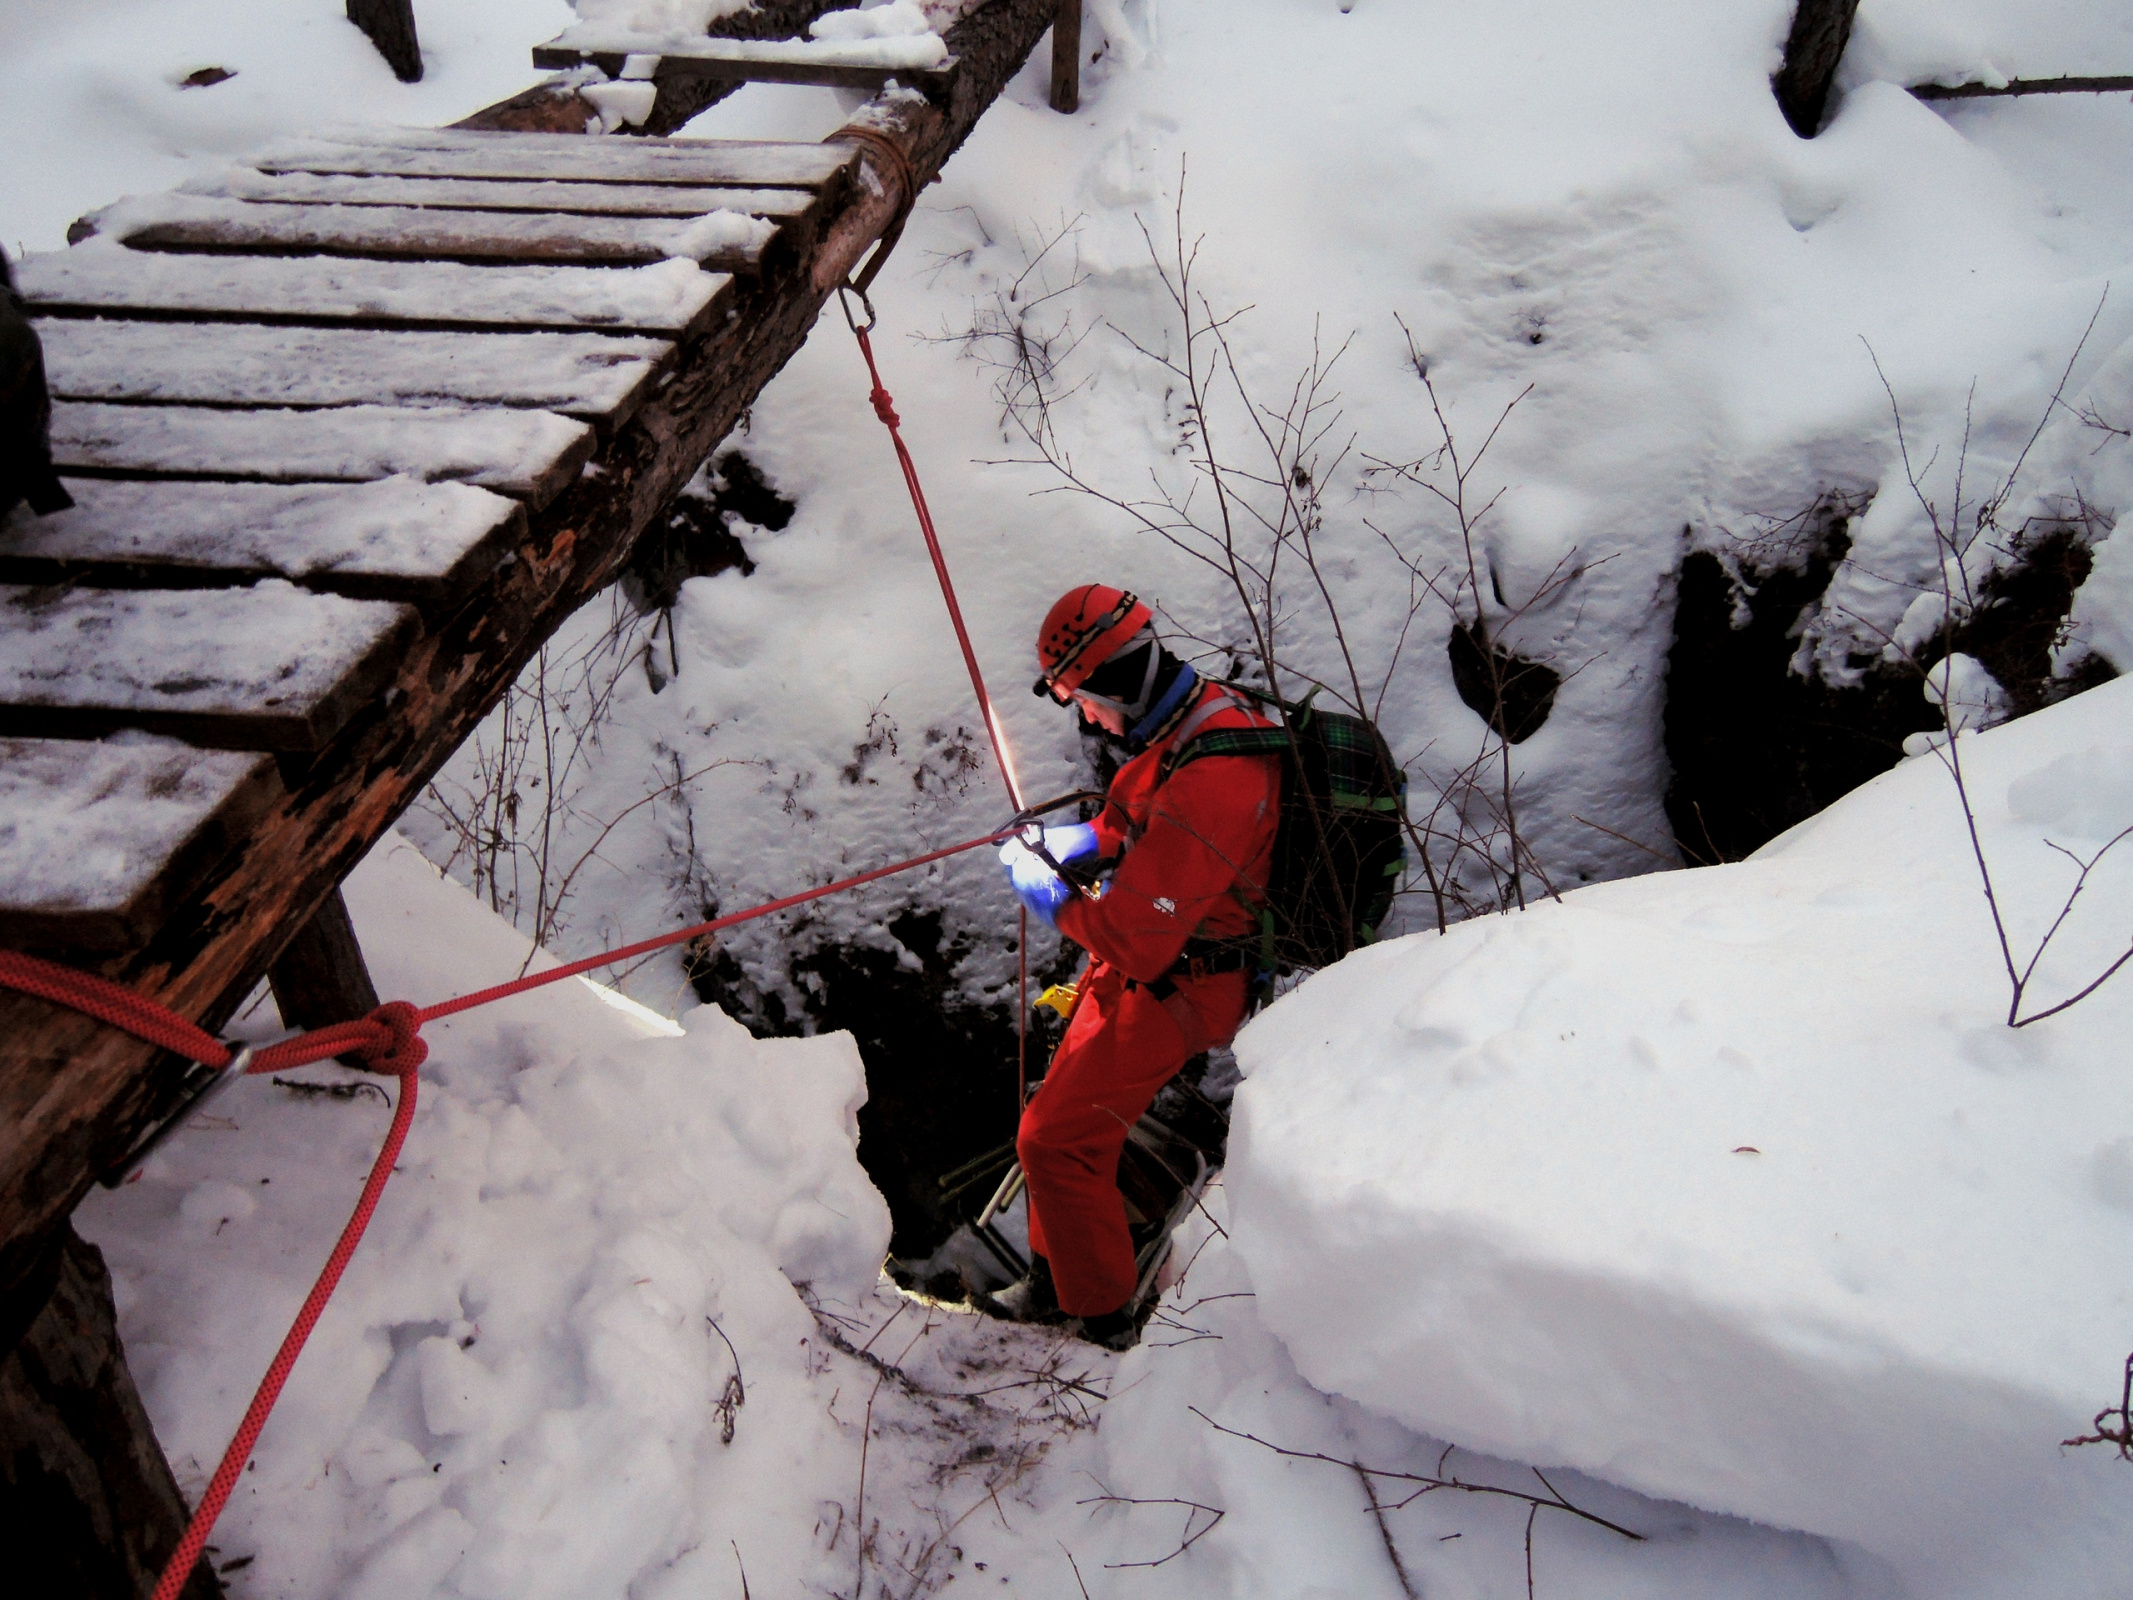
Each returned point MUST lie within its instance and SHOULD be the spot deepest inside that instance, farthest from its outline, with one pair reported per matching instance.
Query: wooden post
(1066, 56)
(391, 26)
(1820, 31)
(320, 977)
(88, 1507)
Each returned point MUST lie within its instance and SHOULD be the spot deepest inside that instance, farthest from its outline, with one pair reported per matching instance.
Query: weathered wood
(391, 26)
(1820, 30)
(1066, 56)
(394, 539)
(748, 61)
(2020, 86)
(731, 240)
(99, 840)
(101, 277)
(554, 107)
(272, 667)
(88, 1507)
(503, 194)
(442, 153)
(72, 1093)
(528, 455)
(591, 376)
(320, 977)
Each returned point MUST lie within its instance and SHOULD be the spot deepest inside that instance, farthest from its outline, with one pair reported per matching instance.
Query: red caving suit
(1187, 844)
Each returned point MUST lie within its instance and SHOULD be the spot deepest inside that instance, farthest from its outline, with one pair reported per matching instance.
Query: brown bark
(88, 1508)
(320, 977)
(73, 1093)
(1066, 57)
(1820, 31)
(391, 26)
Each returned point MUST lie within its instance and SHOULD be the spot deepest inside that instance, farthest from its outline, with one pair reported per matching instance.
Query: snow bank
(1733, 1186)
(517, 1391)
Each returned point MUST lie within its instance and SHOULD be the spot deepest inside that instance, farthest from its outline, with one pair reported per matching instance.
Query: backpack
(1340, 840)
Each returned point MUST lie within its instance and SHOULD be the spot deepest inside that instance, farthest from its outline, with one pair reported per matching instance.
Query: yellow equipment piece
(1061, 997)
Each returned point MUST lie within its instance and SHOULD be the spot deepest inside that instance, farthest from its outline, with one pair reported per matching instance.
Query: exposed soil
(1756, 747)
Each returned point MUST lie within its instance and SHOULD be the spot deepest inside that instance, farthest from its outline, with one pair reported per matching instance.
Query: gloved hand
(1036, 885)
(1070, 841)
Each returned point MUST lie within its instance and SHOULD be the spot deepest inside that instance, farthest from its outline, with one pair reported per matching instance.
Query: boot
(1032, 1299)
(1113, 1330)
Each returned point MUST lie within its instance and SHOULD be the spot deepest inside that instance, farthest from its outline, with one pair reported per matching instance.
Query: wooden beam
(391, 26)
(88, 1507)
(1820, 31)
(73, 1093)
(724, 61)
(1066, 56)
(320, 977)
(2018, 86)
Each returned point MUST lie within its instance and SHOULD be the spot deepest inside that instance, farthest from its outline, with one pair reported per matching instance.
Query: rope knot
(884, 407)
(394, 1041)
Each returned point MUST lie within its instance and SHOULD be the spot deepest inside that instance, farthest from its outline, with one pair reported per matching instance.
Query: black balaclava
(1148, 684)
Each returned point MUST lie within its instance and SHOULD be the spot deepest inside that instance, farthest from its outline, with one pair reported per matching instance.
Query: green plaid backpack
(1340, 842)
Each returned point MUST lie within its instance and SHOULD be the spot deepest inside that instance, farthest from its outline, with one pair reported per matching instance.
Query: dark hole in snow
(1513, 695)
(1757, 747)
(206, 78)
(699, 535)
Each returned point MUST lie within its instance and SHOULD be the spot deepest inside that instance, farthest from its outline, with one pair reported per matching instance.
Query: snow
(270, 649)
(396, 527)
(103, 274)
(85, 825)
(1730, 1186)
(516, 452)
(1727, 1248)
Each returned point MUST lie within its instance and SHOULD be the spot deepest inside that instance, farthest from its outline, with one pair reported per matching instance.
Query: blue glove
(1036, 885)
(1071, 842)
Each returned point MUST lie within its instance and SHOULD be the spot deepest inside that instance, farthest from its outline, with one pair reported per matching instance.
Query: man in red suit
(1171, 937)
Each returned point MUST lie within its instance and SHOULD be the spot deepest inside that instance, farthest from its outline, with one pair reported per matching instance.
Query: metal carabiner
(848, 288)
(202, 1083)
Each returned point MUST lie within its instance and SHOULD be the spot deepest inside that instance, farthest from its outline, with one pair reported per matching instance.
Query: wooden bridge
(351, 429)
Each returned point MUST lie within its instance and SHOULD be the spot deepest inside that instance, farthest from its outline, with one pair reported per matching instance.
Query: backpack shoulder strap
(1191, 744)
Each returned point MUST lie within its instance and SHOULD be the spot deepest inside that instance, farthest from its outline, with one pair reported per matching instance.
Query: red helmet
(1084, 629)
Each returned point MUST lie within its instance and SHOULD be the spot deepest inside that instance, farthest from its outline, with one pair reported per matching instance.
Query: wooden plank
(444, 153)
(594, 377)
(529, 455)
(1066, 56)
(730, 240)
(98, 840)
(272, 667)
(674, 299)
(746, 61)
(499, 194)
(395, 539)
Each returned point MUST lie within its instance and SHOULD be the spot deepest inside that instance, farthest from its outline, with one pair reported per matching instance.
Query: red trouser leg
(1121, 1047)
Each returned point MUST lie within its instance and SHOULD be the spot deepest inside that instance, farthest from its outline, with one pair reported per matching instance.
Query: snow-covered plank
(271, 667)
(593, 376)
(443, 153)
(503, 194)
(529, 455)
(394, 539)
(671, 298)
(919, 61)
(173, 221)
(98, 839)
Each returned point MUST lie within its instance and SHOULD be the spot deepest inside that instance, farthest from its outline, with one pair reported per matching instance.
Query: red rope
(885, 408)
(390, 1040)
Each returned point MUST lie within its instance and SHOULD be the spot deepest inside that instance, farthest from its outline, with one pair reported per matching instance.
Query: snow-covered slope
(1735, 1186)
